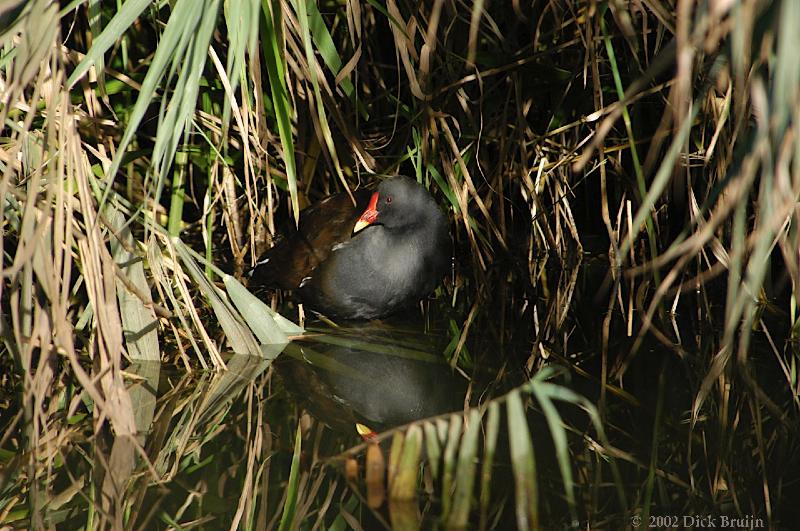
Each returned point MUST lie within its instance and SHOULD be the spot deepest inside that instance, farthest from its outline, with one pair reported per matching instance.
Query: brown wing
(322, 226)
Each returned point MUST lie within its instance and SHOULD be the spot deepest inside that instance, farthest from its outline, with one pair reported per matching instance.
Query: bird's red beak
(369, 215)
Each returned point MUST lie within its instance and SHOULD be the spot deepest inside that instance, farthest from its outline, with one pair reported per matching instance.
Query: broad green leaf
(237, 332)
(139, 323)
(122, 20)
(182, 48)
(489, 446)
(273, 59)
(559, 434)
(302, 17)
(433, 448)
(523, 463)
(290, 507)
(404, 482)
(143, 395)
(451, 446)
(268, 326)
(465, 474)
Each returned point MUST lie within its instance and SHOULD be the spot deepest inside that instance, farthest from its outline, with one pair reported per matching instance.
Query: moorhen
(362, 261)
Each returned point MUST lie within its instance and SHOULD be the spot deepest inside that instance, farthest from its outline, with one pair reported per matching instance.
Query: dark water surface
(223, 445)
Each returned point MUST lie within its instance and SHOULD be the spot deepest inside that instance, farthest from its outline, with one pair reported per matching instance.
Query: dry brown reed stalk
(52, 169)
(72, 274)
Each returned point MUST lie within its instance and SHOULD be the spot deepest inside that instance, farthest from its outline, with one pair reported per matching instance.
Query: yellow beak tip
(360, 225)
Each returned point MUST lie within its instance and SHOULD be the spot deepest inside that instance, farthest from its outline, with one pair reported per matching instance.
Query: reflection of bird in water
(372, 373)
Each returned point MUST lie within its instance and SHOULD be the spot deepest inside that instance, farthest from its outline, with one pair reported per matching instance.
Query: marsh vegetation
(616, 340)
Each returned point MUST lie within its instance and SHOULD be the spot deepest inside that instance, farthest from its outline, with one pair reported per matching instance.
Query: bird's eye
(388, 199)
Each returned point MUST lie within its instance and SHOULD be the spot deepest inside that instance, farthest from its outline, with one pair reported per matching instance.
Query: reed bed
(151, 150)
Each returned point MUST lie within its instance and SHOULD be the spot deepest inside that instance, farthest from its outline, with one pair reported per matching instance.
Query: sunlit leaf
(237, 332)
(489, 447)
(433, 449)
(523, 462)
(268, 326)
(128, 12)
(465, 473)
(375, 476)
(450, 450)
(290, 505)
(404, 479)
(140, 327)
(273, 58)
